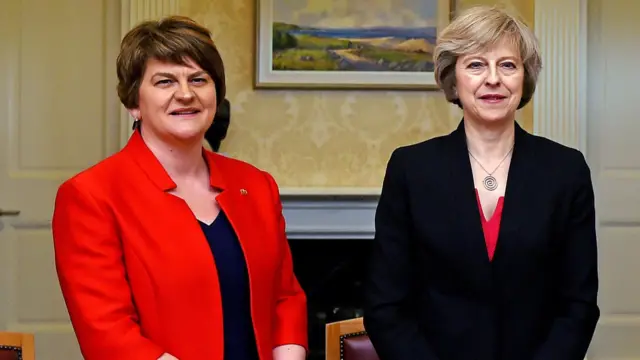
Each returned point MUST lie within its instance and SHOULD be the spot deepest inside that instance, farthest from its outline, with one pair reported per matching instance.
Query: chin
(190, 133)
(496, 117)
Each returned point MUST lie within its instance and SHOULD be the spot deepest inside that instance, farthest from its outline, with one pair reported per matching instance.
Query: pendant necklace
(490, 182)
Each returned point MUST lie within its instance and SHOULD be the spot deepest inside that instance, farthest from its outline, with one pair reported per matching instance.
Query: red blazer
(137, 273)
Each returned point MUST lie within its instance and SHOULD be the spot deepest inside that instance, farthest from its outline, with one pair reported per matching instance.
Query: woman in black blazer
(485, 244)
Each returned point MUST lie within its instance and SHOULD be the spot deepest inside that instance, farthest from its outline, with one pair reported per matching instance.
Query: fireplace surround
(330, 239)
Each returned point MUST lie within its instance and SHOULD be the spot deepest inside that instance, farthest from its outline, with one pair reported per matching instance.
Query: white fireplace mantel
(559, 113)
(328, 217)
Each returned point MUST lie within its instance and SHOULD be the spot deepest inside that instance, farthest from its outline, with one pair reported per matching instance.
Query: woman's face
(489, 84)
(177, 102)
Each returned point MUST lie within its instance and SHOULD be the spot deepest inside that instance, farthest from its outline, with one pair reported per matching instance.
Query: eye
(199, 80)
(475, 65)
(164, 82)
(508, 65)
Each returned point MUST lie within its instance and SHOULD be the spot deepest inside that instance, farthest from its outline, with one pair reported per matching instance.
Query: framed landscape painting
(363, 44)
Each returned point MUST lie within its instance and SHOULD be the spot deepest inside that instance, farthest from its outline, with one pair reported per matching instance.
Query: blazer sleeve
(291, 301)
(88, 258)
(573, 328)
(388, 316)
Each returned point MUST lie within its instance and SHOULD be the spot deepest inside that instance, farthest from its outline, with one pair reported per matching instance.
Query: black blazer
(433, 294)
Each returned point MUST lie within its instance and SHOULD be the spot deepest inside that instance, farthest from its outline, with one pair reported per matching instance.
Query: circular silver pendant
(490, 183)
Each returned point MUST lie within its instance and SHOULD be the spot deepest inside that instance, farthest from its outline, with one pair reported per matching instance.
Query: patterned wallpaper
(320, 140)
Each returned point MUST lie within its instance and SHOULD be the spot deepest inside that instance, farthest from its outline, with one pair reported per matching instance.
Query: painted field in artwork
(354, 38)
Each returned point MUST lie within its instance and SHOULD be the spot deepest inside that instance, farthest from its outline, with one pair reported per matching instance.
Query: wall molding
(133, 12)
(560, 102)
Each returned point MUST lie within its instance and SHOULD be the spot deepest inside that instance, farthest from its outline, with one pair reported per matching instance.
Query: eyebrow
(478, 57)
(170, 75)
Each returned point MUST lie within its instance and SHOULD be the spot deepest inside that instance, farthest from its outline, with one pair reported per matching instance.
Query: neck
(489, 141)
(179, 160)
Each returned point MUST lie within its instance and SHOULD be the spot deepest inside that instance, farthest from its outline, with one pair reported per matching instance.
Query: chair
(17, 346)
(348, 340)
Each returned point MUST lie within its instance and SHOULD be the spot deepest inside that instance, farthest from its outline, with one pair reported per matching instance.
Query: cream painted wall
(320, 139)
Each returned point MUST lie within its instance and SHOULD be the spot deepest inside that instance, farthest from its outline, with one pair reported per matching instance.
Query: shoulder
(425, 148)
(422, 152)
(237, 168)
(230, 164)
(558, 158)
(242, 172)
(97, 178)
(89, 195)
(414, 162)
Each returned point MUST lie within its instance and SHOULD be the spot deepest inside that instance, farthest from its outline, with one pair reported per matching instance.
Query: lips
(185, 111)
(493, 97)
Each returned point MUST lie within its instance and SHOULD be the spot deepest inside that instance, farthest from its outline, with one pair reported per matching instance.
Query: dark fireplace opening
(332, 274)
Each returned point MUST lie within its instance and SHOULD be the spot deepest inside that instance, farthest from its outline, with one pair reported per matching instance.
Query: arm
(290, 331)
(88, 257)
(389, 322)
(575, 324)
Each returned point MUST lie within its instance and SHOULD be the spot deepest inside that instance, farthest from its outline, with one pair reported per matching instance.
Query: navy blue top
(239, 338)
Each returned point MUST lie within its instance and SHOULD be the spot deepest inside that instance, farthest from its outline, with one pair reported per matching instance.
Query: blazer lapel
(465, 201)
(233, 200)
(516, 195)
(235, 204)
(238, 204)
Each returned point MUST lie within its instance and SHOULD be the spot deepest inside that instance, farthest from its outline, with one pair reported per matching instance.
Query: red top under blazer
(136, 271)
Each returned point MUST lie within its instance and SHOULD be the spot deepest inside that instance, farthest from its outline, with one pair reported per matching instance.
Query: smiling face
(177, 102)
(489, 84)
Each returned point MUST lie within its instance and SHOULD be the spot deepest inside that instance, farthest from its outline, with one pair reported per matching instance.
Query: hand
(166, 356)
(289, 352)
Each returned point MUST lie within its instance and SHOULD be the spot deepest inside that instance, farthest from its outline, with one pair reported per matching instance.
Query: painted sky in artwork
(356, 13)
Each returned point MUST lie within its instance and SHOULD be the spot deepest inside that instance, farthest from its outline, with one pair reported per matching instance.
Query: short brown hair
(476, 30)
(173, 39)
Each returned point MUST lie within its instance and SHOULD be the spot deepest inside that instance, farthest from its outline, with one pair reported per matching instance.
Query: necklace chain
(490, 182)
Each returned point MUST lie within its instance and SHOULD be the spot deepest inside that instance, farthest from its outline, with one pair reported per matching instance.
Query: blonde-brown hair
(478, 29)
(173, 39)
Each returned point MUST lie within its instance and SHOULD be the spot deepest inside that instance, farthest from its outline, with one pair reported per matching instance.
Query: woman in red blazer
(166, 250)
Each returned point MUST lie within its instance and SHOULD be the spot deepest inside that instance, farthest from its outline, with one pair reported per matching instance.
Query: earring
(136, 124)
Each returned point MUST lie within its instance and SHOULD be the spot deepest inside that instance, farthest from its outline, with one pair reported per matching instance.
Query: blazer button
(243, 192)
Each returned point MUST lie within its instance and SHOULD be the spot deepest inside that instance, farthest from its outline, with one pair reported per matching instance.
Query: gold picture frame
(309, 55)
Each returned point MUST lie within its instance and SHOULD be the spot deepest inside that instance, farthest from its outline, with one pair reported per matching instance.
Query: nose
(184, 91)
(493, 78)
